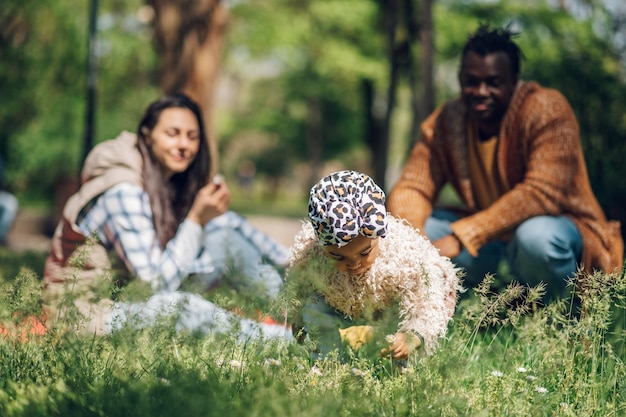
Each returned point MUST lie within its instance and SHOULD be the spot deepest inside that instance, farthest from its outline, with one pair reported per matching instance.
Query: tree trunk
(426, 35)
(315, 139)
(380, 149)
(189, 37)
(421, 78)
(374, 122)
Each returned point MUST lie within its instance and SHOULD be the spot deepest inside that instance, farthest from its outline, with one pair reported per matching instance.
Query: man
(511, 149)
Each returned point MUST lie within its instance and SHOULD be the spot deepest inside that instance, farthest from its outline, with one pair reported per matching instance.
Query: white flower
(521, 369)
(316, 371)
(235, 363)
(497, 374)
(357, 372)
(564, 405)
(541, 390)
(531, 377)
(219, 362)
(272, 362)
(390, 338)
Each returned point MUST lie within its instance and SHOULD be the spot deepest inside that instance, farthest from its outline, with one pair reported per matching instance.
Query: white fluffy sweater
(408, 271)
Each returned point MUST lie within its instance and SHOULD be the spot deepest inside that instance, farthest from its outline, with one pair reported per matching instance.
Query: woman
(147, 200)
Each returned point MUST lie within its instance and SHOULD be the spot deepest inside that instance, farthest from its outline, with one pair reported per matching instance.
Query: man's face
(487, 85)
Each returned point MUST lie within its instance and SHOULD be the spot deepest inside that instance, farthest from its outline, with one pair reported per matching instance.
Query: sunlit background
(302, 87)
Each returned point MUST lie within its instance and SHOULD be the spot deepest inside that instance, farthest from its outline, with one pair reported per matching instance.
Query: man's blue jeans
(542, 248)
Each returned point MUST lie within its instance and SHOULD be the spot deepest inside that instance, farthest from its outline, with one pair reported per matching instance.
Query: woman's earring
(146, 134)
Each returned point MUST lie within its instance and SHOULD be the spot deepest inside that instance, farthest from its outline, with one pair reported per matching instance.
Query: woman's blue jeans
(234, 246)
(541, 249)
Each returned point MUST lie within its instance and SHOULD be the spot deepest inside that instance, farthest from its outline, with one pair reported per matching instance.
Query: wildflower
(357, 372)
(219, 362)
(521, 370)
(235, 363)
(497, 374)
(541, 390)
(390, 338)
(272, 362)
(316, 371)
(564, 405)
(531, 377)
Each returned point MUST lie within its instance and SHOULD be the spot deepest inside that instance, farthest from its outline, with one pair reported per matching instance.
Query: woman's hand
(402, 345)
(211, 201)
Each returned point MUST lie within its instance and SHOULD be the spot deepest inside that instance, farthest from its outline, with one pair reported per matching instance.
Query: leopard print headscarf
(346, 204)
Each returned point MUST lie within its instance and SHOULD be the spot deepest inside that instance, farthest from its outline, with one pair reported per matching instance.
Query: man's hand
(449, 246)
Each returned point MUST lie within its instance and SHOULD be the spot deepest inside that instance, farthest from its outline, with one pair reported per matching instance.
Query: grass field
(501, 358)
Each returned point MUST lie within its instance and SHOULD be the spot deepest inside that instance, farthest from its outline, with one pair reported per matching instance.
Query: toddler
(352, 262)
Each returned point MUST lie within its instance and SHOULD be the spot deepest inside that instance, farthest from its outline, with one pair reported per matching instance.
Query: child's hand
(356, 336)
(401, 345)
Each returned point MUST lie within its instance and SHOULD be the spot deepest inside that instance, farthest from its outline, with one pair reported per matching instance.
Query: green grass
(500, 358)
(281, 206)
(11, 263)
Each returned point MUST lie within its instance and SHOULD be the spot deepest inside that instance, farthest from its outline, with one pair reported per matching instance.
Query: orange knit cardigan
(540, 161)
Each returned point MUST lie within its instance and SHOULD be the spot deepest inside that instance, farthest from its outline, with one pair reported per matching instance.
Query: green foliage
(290, 56)
(12, 263)
(38, 77)
(291, 62)
(499, 358)
(43, 80)
(315, 56)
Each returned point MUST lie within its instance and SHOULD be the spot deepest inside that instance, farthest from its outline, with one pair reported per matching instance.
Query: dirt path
(31, 231)
(281, 229)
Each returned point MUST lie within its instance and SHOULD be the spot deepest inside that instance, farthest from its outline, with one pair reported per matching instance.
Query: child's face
(356, 257)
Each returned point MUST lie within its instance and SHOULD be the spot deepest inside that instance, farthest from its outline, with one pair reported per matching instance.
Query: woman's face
(356, 257)
(175, 140)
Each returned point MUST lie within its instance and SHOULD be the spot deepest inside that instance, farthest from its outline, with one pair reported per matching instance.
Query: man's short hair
(487, 40)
